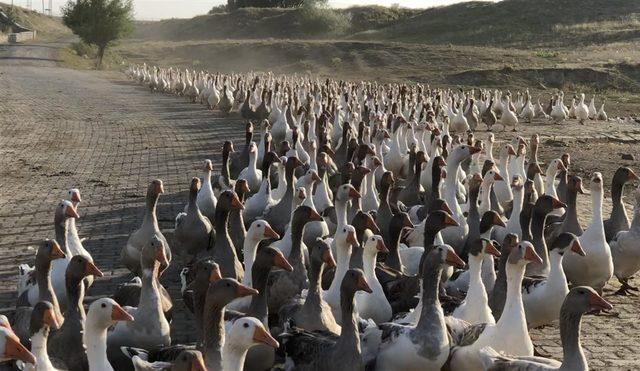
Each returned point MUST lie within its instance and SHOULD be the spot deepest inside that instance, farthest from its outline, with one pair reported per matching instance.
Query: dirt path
(63, 128)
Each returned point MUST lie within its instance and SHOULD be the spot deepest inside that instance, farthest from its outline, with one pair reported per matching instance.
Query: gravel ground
(62, 128)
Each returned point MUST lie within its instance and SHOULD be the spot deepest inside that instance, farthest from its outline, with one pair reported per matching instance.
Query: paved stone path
(63, 128)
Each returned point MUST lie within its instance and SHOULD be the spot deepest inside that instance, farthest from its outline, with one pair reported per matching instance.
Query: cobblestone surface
(63, 128)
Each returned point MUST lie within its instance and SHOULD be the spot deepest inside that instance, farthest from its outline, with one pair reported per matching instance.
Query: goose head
(205, 271)
(365, 221)
(566, 241)
(523, 254)
(482, 246)
(574, 184)
(261, 230)
(43, 317)
(153, 254)
(546, 204)
(105, 312)
(375, 244)
(64, 211)
(309, 178)
(208, 165)
(271, 257)
(596, 182)
(321, 253)
(247, 332)
(49, 250)
(354, 280)
(347, 236)
(80, 267)
(229, 200)
(490, 219)
(347, 191)
(73, 195)
(443, 256)
(583, 299)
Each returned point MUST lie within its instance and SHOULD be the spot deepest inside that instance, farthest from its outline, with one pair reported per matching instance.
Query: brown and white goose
(618, 221)
(43, 320)
(193, 231)
(224, 251)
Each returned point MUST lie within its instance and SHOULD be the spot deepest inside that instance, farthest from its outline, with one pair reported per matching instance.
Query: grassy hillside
(520, 23)
(46, 27)
(258, 23)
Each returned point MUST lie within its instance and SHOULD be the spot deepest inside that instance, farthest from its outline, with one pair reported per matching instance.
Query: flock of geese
(359, 226)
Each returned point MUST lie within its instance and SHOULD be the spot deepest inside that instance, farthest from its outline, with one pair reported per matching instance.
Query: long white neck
(596, 200)
(252, 160)
(95, 340)
(513, 307)
(341, 213)
(518, 198)
(477, 292)
(485, 197)
(556, 273)
(39, 350)
(233, 357)
(206, 184)
(369, 268)
(249, 250)
(451, 189)
(550, 187)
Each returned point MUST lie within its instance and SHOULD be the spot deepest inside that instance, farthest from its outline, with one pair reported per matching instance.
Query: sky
(161, 9)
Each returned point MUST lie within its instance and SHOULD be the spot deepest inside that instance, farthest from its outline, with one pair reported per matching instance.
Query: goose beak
(314, 216)
(260, 335)
(449, 221)
(50, 319)
(119, 314)
(159, 188)
(531, 255)
(577, 248)
(579, 187)
(270, 233)
(327, 258)
(75, 197)
(453, 259)
(15, 350)
(498, 221)
(209, 166)
(92, 270)
(315, 177)
(198, 365)
(497, 177)
(215, 275)
(371, 224)
(161, 257)
(442, 162)
(302, 194)
(557, 204)
(474, 150)
(632, 176)
(245, 187)
(353, 193)
(445, 208)
(56, 252)
(352, 239)
(376, 161)
(511, 151)
(363, 285)
(491, 249)
(381, 246)
(243, 290)
(597, 302)
(235, 203)
(71, 212)
(561, 166)
(281, 262)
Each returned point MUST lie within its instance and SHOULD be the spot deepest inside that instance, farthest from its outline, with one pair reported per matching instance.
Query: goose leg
(626, 289)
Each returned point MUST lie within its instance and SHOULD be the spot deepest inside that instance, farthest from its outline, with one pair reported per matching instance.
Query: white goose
(251, 173)
(103, 313)
(596, 268)
(374, 305)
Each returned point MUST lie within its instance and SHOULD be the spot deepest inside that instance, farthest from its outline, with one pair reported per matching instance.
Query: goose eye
(246, 325)
(259, 225)
(344, 230)
(104, 305)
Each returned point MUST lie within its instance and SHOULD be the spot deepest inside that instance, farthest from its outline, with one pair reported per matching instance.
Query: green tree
(99, 22)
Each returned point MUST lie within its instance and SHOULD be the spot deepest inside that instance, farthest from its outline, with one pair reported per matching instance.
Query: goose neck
(249, 251)
(39, 349)
(570, 324)
(234, 356)
(513, 303)
(95, 340)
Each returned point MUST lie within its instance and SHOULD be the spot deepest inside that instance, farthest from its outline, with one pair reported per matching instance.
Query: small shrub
(322, 20)
(219, 9)
(83, 49)
(336, 62)
(545, 54)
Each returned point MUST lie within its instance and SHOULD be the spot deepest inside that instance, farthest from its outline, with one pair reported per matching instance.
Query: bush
(82, 49)
(322, 20)
(219, 9)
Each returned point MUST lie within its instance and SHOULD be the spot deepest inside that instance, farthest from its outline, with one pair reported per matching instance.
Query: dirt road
(62, 128)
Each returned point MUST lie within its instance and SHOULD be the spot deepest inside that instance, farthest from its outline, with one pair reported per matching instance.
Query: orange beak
(235, 203)
(353, 193)
(50, 319)
(561, 166)
(632, 176)
(381, 246)
(15, 350)
(119, 314)
(92, 270)
(270, 233)
(557, 204)
(327, 258)
(442, 162)
(352, 239)
(245, 291)
(531, 255)
(161, 257)
(71, 212)
(474, 150)
(261, 335)
(498, 221)
(364, 170)
(245, 187)
(510, 150)
(56, 252)
(376, 161)
(597, 302)
(281, 262)
(75, 197)
(314, 216)
(209, 166)
(577, 248)
(579, 187)
(371, 224)
(449, 221)
(454, 260)
(406, 222)
(491, 249)
(215, 275)
(159, 188)
(302, 194)
(198, 364)
(497, 177)
(315, 177)
(363, 285)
